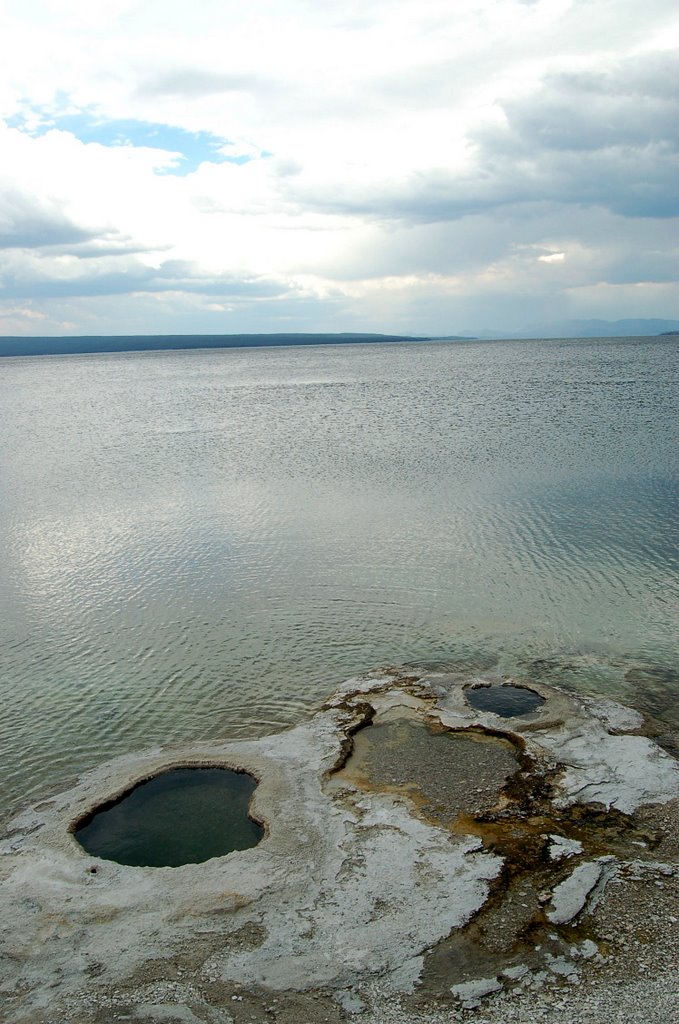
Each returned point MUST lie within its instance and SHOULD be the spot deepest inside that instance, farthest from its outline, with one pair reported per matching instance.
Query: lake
(202, 544)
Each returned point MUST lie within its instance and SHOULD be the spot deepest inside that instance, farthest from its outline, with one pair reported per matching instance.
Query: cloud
(183, 151)
(27, 221)
(631, 104)
(607, 138)
(394, 165)
(26, 274)
(191, 83)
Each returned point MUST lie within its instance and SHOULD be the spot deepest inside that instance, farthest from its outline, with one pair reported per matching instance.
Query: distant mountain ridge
(629, 328)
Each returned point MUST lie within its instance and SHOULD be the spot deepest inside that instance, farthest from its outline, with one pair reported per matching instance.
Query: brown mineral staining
(446, 773)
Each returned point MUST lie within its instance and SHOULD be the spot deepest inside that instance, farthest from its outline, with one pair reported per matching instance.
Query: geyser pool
(182, 816)
(504, 700)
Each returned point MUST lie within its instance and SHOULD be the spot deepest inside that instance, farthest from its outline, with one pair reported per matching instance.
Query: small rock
(350, 1001)
(560, 847)
(559, 965)
(470, 993)
(515, 973)
(570, 896)
(588, 949)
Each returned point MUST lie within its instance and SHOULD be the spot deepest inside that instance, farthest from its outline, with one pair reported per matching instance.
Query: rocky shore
(425, 861)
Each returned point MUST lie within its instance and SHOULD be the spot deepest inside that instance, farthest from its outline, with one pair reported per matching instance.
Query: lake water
(203, 544)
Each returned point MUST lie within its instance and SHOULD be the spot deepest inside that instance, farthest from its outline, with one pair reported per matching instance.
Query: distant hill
(588, 329)
(37, 346)
(82, 344)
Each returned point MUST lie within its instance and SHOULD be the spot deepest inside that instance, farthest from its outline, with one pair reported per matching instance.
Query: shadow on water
(183, 816)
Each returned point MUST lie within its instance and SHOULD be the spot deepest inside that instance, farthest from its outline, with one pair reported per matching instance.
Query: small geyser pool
(504, 700)
(182, 816)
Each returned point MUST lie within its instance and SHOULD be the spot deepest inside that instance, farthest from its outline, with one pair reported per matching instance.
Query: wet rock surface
(423, 861)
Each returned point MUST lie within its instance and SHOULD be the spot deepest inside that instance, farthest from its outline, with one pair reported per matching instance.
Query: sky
(401, 166)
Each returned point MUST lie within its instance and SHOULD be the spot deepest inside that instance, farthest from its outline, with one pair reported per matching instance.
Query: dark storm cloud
(608, 139)
(28, 278)
(27, 222)
(20, 283)
(102, 247)
(185, 275)
(632, 105)
(600, 245)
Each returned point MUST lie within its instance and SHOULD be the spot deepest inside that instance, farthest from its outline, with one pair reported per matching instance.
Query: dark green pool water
(506, 701)
(184, 816)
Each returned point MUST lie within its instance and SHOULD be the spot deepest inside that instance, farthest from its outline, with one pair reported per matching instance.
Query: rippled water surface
(201, 544)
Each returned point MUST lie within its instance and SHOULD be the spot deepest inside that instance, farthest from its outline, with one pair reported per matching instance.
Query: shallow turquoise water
(204, 543)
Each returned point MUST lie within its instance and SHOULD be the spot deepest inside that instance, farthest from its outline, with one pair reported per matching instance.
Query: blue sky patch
(194, 148)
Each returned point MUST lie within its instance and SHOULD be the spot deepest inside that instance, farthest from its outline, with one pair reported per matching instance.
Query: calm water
(185, 816)
(203, 544)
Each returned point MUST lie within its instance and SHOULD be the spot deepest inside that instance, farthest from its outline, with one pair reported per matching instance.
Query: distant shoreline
(81, 345)
(24, 346)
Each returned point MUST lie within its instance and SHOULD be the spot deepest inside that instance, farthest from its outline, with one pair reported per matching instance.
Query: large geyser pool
(183, 816)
